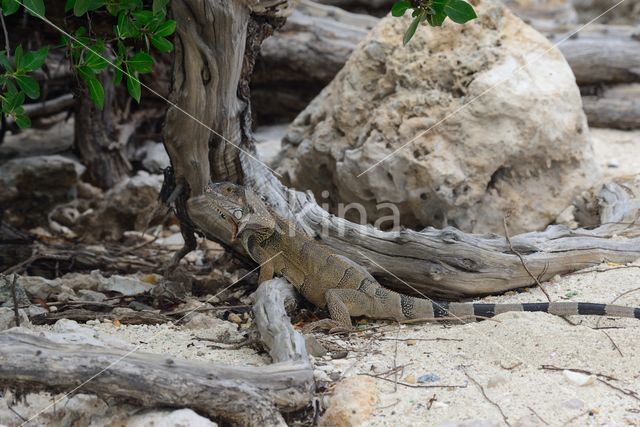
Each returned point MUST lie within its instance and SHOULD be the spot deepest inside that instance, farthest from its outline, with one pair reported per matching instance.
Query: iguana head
(241, 207)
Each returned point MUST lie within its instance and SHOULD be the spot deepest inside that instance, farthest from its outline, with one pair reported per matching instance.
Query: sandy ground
(504, 356)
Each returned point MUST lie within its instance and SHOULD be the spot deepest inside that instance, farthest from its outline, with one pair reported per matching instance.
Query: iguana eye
(237, 214)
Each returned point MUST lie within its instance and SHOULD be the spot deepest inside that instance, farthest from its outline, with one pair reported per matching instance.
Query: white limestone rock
(515, 138)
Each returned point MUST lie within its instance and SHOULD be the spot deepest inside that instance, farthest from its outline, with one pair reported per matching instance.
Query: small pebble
(579, 378)
(428, 378)
(233, 317)
(410, 379)
(574, 403)
(496, 380)
(411, 342)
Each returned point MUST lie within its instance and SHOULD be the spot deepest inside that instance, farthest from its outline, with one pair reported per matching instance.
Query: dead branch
(246, 396)
(242, 395)
(81, 315)
(618, 113)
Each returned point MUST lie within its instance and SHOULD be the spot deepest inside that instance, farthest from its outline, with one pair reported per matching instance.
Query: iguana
(330, 280)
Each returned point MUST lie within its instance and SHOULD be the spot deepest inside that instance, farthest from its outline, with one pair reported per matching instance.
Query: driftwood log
(619, 113)
(245, 396)
(303, 56)
(310, 51)
(602, 54)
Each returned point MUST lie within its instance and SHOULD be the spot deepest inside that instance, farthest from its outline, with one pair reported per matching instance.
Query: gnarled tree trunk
(97, 146)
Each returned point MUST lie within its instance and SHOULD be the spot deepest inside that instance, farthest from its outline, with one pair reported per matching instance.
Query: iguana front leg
(267, 271)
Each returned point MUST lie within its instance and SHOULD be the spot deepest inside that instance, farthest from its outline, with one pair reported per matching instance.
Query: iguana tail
(377, 302)
(475, 311)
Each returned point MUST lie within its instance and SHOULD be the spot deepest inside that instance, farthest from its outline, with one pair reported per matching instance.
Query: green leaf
(143, 16)
(29, 86)
(125, 28)
(34, 7)
(141, 62)
(412, 28)
(117, 78)
(166, 28)
(399, 8)
(159, 6)
(162, 44)
(438, 5)
(96, 92)
(23, 121)
(10, 7)
(12, 101)
(4, 61)
(34, 60)
(69, 4)
(436, 19)
(83, 6)
(17, 57)
(133, 86)
(85, 73)
(94, 60)
(460, 11)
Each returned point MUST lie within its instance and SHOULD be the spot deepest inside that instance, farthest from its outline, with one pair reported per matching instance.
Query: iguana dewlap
(330, 280)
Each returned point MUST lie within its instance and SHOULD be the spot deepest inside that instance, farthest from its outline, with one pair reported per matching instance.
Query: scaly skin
(330, 280)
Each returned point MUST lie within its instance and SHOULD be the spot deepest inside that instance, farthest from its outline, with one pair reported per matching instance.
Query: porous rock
(31, 186)
(127, 206)
(515, 138)
(352, 403)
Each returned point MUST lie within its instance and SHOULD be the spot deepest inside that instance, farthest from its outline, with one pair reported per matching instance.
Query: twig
(613, 302)
(392, 371)
(14, 295)
(389, 406)
(201, 309)
(395, 358)
(33, 258)
(632, 394)
(504, 417)
(537, 415)
(612, 342)
(575, 417)
(524, 264)
(6, 36)
(582, 371)
(17, 414)
(604, 270)
(420, 339)
(416, 385)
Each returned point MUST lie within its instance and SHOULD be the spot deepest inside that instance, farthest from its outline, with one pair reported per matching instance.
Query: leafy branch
(434, 12)
(136, 31)
(139, 27)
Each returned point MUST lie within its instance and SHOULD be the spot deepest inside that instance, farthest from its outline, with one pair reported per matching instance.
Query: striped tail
(468, 311)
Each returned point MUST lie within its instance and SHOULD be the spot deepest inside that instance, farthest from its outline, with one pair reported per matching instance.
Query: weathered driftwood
(48, 107)
(446, 263)
(243, 395)
(453, 264)
(284, 343)
(303, 56)
(246, 396)
(310, 50)
(618, 113)
(603, 54)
